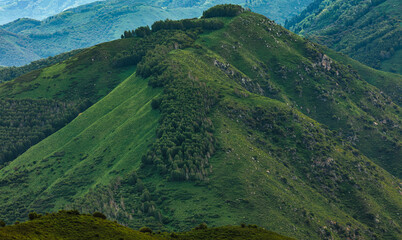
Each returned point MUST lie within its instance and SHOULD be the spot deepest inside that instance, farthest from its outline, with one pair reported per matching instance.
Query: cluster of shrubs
(146, 230)
(133, 56)
(129, 58)
(139, 32)
(223, 10)
(146, 206)
(34, 215)
(186, 24)
(185, 139)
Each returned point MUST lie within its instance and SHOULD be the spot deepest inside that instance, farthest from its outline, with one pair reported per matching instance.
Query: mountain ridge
(245, 123)
(103, 21)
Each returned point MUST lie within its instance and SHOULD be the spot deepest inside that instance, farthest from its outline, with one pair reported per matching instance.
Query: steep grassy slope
(123, 121)
(98, 22)
(72, 225)
(249, 123)
(41, 102)
(343, 101)
(368, 31)
(390, 83)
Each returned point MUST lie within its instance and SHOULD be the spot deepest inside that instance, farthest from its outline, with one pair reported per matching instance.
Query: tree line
(186, 24)
(223, 10)
(185, 139)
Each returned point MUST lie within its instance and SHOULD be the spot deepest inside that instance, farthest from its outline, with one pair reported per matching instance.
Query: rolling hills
(225, 119)
(25, 40)
(11, 10)
(368, 31)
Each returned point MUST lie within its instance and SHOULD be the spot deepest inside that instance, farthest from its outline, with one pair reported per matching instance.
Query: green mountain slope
(368, 31)
(248, 123)
(67, 88)
(103, 21)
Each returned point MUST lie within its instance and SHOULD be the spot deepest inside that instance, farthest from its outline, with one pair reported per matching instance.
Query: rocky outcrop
(246, 82)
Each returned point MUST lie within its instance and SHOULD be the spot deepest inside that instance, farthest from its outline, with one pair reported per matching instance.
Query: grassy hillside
(28, 40)
(9, 73)
(248, 123)
(368, 31)
(390, 83)
(42, 101)
(72, 225)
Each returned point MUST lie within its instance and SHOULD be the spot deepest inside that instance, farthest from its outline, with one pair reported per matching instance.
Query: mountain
(11, 10)
(25, 40)
(15, 48)
(368, 31)
(72, 225)
(227, 119)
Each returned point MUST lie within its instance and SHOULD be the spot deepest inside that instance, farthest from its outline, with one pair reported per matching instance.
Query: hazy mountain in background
(11, 10)
(26, 40)
(368, 31)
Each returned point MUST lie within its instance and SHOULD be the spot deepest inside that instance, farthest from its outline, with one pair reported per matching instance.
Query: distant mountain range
(368, 31)
(11, 10)
(26, 40)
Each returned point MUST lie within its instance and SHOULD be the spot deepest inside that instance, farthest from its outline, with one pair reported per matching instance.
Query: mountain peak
(222, 120)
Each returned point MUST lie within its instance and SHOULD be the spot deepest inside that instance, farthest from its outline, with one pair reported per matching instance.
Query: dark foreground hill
(368, 31)
(225, 119)
(25, 40)
(71, 225)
